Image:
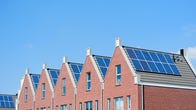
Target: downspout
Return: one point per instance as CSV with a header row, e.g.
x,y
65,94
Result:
x,y
142,92
75,98
102,87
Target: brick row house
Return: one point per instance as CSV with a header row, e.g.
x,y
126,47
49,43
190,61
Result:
x,y
132,79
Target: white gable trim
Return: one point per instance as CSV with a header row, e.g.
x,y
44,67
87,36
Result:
x,y
167,85
190,64
70,74
136,76
49,81
21,85
31,84
96,68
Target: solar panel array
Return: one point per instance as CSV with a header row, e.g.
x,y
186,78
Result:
x,y
77,69
35,80
103,63
54,74
150,61
6,101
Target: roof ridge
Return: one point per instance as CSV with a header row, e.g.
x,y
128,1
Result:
x,y
101,56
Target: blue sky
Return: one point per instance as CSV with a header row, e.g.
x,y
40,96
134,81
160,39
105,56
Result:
x,y
36,32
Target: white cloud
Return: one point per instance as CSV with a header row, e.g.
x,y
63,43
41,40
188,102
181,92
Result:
x,y
191,53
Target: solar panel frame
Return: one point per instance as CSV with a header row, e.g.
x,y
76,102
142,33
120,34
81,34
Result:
x,y
151,61
6,101
35,80
54,74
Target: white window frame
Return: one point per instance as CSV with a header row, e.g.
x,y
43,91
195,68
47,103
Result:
x,y
80,105
70,106
64,86
26,94
109,101
128,102
118,81
97,105
43,90
88,104
88,80
65,107
119,99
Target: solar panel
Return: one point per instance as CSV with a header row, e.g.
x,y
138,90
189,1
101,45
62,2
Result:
x,y
6,101
149,61
77,69
54,74
103,63
35,80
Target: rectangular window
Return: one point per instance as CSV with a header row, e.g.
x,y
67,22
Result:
x,y
26,94
57,107
118,74
109,104
63,107
63,86
89,105
48,108
43,108
96,105
43,90
128,102
119,103
80,105
88,80
70,106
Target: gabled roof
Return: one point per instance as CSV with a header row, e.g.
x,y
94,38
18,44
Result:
x,y
54,74
35,80
156,67
7,101
76,69
103,63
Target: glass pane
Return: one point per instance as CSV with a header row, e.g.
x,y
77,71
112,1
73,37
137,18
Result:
x,y
162,58
147,56
154,56
168,69
107,61
175,69
153,66
103,70
169,59
137,65
131,53
100,62
139,54
145,66
75,68
160,67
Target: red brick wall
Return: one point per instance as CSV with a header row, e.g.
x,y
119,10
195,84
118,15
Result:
x,y
95,93
160,98
127,86
22,104
47,101
60,99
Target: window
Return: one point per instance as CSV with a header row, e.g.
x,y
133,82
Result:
x,y
70,106
109,104
48,108
57,107
96,105
43,90
26,94
80,105
89,105
118,74
88,80
63,86
43,108
63,107
128,102
119,103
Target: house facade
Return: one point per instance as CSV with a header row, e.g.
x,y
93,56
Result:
x,y
132,79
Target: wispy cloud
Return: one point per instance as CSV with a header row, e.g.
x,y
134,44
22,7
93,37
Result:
x,y
189,30
191,53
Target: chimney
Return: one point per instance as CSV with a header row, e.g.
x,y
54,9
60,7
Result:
x,y
183,52
64,59
118,42
44,66
27,71
89,51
